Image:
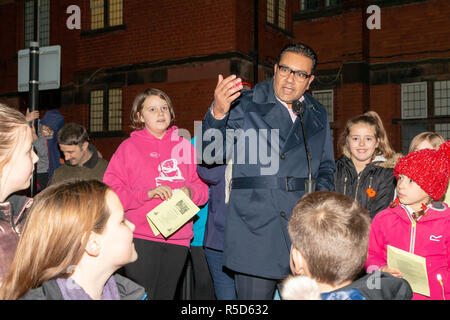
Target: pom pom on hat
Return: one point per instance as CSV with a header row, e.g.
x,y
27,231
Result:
x,y
429,168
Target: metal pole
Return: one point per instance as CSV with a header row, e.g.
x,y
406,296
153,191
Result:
x,y
256,42
33,84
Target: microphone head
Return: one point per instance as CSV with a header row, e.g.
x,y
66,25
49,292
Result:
x,y
297,107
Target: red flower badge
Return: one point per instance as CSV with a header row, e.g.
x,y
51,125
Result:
x,y
370,192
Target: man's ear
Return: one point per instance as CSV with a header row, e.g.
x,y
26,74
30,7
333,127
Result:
x,y
84,146
298,263
310,80
93,245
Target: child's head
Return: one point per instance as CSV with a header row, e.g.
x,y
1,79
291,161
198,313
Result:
x,y
329,234
426,140
17,157
153,110
67,223
429,171
364,137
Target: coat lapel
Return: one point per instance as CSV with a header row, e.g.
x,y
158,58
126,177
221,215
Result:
x,y
311,123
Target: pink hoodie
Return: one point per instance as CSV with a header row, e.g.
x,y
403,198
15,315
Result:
x,y
429,237
141,163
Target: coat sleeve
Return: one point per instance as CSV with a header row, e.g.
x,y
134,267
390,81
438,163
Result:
x,y
212,175
214,130
375,256
117,177
325,178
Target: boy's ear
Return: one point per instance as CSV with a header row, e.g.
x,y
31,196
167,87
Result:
x,y
298,263
93,246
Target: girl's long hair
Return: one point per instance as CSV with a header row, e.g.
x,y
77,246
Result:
x,y
373,119
13,126
55,234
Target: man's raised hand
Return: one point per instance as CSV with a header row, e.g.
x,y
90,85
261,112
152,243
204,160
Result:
x,y
227,90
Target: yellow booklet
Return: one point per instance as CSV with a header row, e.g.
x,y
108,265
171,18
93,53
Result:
x,y
412,267
172,214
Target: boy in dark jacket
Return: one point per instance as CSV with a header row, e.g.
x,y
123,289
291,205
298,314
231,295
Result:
x,y
329,234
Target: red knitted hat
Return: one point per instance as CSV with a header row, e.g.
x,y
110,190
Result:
x,y
429,168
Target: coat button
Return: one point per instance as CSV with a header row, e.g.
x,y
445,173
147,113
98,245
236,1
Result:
x,y
283,214
282,156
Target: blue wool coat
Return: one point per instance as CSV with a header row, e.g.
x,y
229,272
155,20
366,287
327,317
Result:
x,y
256,237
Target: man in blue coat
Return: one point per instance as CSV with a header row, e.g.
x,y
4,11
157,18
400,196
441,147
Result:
x,y
269,165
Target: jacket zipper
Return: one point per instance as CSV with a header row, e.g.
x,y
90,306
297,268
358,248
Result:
x,y
412,241
345,185
357,187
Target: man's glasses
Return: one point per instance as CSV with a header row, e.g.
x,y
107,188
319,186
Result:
x,y
299,75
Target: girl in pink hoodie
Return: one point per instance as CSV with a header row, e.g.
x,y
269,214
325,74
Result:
x,y
416,221
144,171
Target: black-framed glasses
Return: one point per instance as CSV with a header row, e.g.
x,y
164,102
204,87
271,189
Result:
x,y
299,75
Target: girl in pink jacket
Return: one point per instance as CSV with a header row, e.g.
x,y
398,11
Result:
x,y
416,221
144,171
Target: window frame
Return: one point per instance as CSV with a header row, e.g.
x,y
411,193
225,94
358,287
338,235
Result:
x,y
106,113
106,20
44,34
405,85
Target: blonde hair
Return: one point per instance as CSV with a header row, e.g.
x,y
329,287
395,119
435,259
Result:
x,y
331,231
138,105
433,138
373,119
55,234
13,126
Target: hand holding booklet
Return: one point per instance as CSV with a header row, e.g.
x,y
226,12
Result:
x,y
172,214
412,267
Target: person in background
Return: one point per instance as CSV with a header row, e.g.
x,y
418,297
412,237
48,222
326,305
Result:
x,y
75,238
82,160
46,144
17,160
417,222
364,171
429,140
144,171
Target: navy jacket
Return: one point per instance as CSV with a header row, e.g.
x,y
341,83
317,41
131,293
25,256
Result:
x,y
214,176
256,238
55,120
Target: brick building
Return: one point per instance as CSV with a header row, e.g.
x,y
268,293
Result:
x,y
124,46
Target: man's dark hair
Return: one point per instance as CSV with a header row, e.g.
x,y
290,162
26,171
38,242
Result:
x,y
301,49
72,134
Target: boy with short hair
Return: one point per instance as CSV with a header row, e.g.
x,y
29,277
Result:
x,y
329,233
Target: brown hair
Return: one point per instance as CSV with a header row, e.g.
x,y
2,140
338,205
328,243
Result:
x,y
138,104
55,234
72,134
13,127
331,231
433,138
373,119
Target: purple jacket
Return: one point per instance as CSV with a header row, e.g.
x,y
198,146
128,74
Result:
x,y
429,237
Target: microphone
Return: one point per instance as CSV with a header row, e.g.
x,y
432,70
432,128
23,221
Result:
x,y
310,184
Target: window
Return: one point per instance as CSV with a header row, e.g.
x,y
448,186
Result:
x,y
44,23
310,5
442,98
325,97
106,13
415,106
105,110
414,100
443,129
276,13
271,11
